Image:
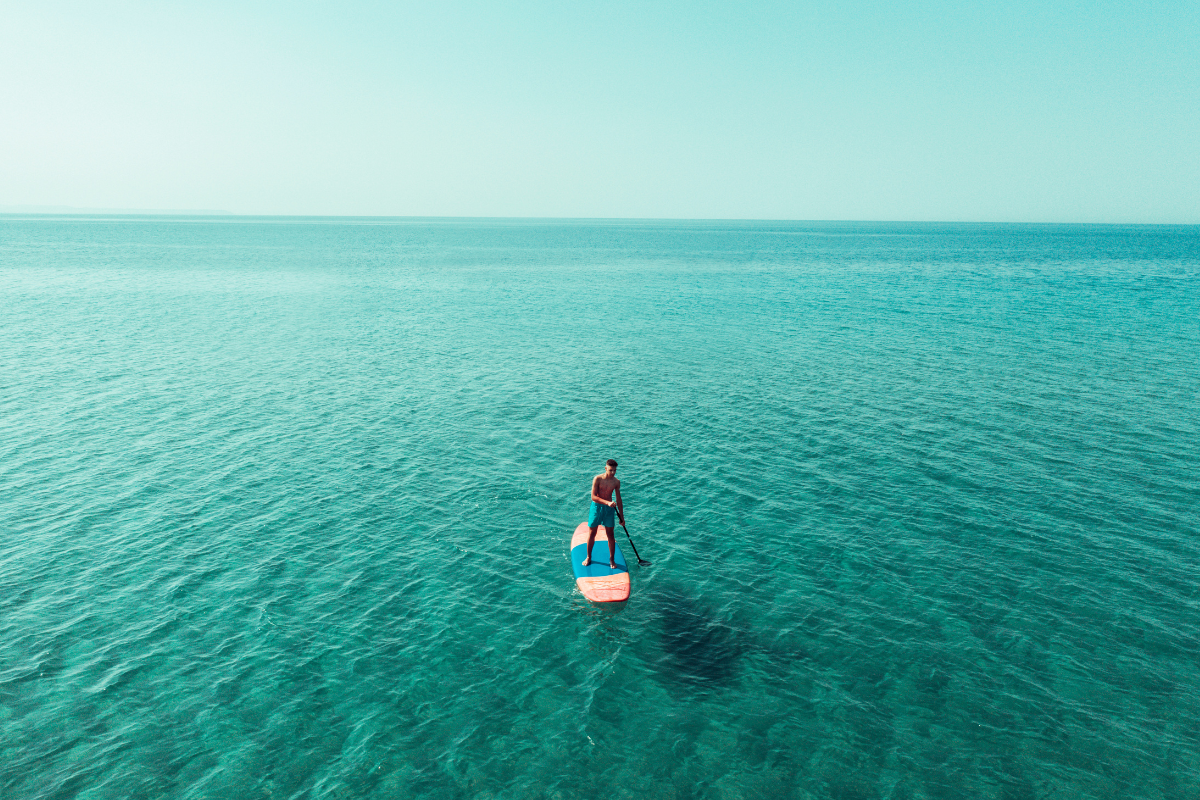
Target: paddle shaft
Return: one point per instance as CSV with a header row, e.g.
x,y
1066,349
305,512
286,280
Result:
x,y
621,517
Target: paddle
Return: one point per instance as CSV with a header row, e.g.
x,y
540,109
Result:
x,y
620,516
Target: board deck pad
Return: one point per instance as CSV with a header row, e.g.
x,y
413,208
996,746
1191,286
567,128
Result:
x,y
597,582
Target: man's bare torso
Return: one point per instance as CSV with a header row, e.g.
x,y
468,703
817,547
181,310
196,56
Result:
x,y
603,486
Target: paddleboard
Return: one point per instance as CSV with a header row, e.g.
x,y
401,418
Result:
x,y
597,582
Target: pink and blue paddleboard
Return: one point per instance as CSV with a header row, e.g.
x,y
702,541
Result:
x,y
597,582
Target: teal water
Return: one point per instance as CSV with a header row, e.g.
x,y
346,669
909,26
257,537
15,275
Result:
x,y
286,504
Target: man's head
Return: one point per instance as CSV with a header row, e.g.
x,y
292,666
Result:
x,y
610,466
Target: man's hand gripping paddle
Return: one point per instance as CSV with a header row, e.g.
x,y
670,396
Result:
x,y
620,516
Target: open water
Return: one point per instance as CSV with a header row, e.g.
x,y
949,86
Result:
x,y
285,507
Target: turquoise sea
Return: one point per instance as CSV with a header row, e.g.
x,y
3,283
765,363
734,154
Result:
x,y
285,507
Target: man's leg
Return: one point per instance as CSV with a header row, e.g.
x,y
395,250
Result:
x,y
591,541
612,549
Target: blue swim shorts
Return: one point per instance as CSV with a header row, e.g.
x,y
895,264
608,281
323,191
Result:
x,y
602,515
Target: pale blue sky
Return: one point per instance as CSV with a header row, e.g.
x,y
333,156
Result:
x,y
1014,111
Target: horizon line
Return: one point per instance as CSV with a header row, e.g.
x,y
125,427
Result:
x,y
71,211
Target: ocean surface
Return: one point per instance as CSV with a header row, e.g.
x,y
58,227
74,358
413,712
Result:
x,y
285,507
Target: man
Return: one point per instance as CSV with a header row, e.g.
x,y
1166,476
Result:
x,y
603,488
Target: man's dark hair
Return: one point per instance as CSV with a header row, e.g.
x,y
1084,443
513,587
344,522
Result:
x,y
611,462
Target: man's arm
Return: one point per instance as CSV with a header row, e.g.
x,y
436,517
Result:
x,y
620,505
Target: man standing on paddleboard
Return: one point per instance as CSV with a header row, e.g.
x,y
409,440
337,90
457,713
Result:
x,y
603,488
